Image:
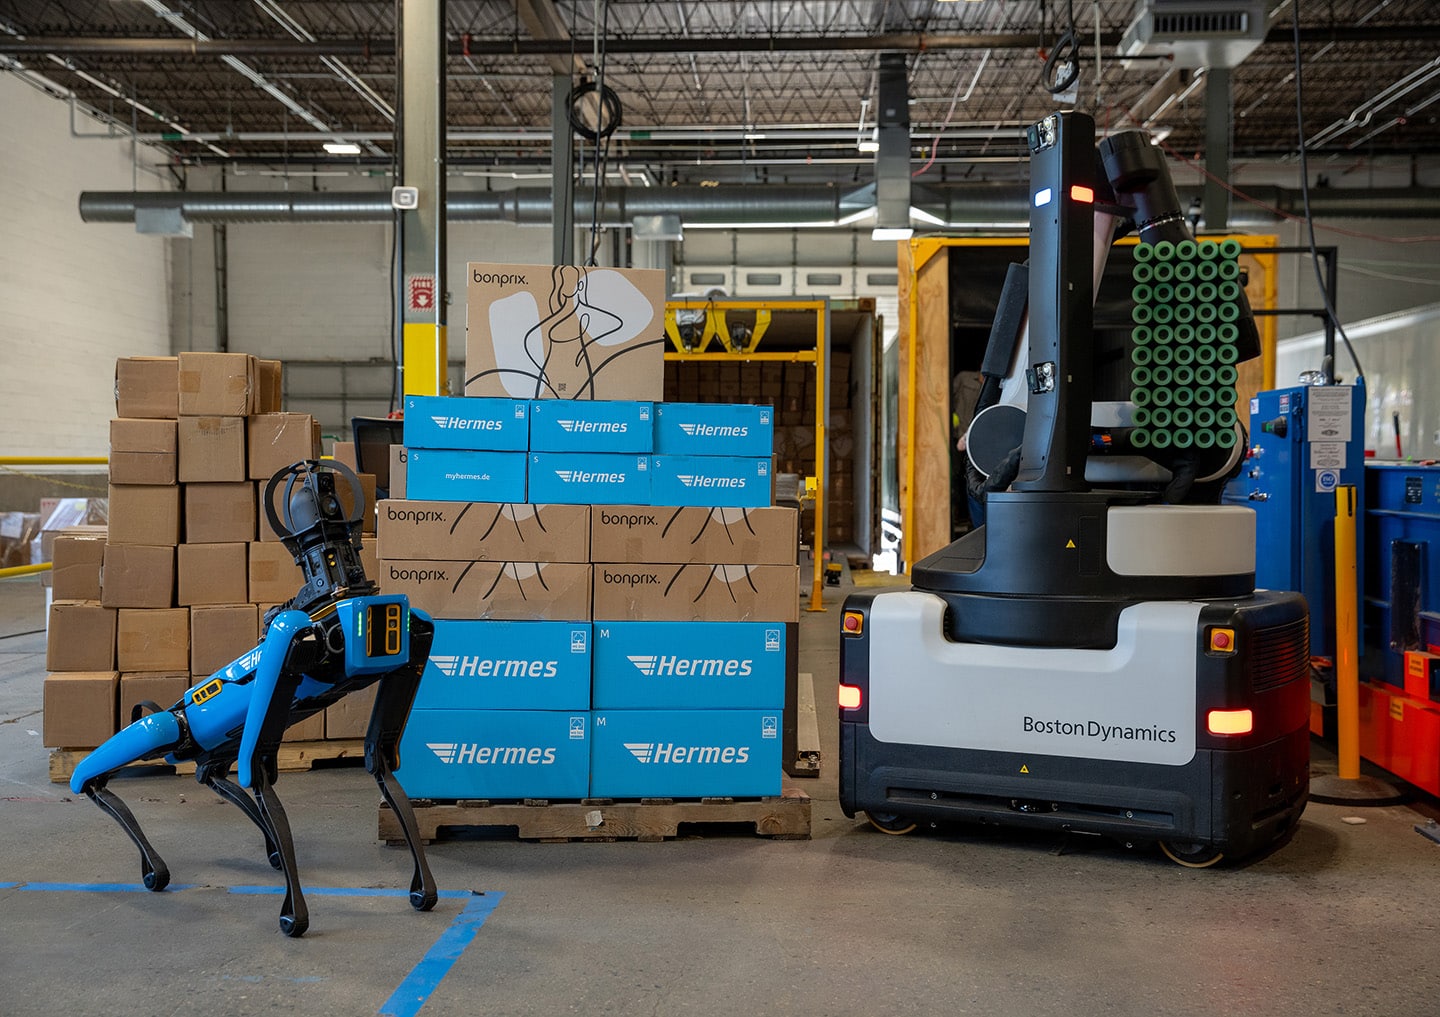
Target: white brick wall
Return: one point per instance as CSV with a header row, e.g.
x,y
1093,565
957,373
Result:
x,y
73,296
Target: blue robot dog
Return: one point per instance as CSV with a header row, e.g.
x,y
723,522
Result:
x,y
336,636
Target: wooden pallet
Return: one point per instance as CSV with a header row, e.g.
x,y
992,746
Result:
x,y
651,819
294,757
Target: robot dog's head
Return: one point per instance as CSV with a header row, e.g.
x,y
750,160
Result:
x,y
317,530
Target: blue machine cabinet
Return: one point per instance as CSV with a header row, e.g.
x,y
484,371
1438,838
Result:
x,y
1304,442
1402,573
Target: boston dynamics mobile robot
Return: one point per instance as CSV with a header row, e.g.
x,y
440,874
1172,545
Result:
x,y
1092,659
336,636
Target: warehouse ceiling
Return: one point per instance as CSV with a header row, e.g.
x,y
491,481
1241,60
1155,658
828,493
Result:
x,y
716,92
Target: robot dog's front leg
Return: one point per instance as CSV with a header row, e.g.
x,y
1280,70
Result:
x,y
148,737
382,752
212,775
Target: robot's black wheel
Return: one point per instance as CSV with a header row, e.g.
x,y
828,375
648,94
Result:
x,y
157,879
1192,856
888,822
422,901
275,860
293,927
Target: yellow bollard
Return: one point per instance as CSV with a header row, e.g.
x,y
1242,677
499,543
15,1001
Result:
x,y
1347,637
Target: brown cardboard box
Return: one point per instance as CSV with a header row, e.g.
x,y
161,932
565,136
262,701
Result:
x,y
219,513
632,592
735,536
219,633
163,688
138,575
152,640
350,717
509,305
311,729
344,451
147,387
278,440
79,709
144,514
272,386
77,557
399,457
212,574
218,385
80,637
142,451
484,531
274,576
505,591
370,557
212,450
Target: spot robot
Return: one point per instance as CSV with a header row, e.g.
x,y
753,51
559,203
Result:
x,y
338,635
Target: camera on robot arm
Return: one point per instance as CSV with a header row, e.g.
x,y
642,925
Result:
x,y
339,634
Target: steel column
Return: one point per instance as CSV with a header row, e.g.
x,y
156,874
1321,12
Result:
x,y
1219,107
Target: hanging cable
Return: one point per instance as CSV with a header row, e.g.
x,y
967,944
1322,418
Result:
x,y
1064,57
607,119
1325,294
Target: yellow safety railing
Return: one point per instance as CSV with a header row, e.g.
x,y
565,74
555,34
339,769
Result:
x,y
26,570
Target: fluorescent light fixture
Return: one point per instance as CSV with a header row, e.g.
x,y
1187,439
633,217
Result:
x,y
891,233
341,147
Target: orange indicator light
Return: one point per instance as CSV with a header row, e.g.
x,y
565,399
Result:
x,y
849,697
1079,192
1230,722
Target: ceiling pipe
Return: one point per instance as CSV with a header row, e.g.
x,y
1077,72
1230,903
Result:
x,y
904,42
962,205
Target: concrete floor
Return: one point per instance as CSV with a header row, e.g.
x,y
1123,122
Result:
x,y
971,920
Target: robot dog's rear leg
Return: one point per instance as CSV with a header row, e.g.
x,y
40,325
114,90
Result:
x,y
152,868
212,775
294,915
382,756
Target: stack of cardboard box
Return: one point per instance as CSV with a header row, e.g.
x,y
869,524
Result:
x,y
177,587
611,632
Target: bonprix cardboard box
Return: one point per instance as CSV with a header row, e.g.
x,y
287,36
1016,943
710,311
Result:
x,y
573,425
75,572
152,640
218,384
714,429
483,531
710,480
212,450
495,754
80,636
138,575
460,475
212,574
685,753
689,665
219,633
564,332
144,514
79,709
163,688
635,592
275,441
399,459
220,513
147,387
507,665
490,425
273,575
589,478
142,451
505,591
681,535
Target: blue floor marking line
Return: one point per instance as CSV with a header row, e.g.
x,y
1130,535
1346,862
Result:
x,y
341,891
8,886
100,887
423,979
